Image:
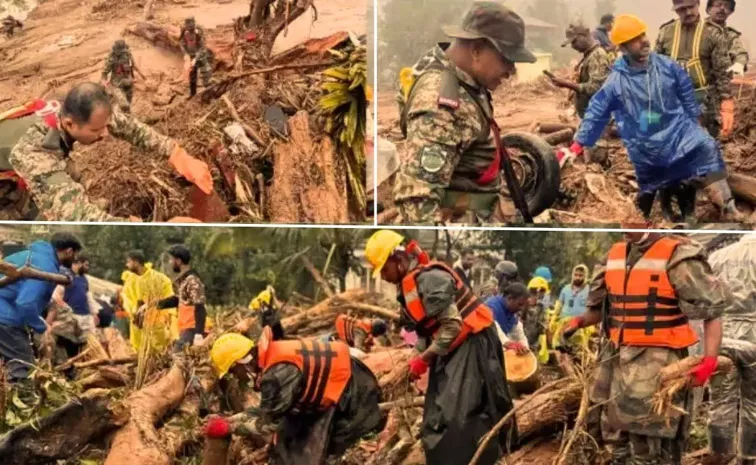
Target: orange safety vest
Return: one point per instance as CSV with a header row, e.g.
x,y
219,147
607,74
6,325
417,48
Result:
x,y
326,366
475,315
346,325
644,308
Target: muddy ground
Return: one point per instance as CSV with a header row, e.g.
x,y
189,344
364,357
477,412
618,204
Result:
x,y
599,192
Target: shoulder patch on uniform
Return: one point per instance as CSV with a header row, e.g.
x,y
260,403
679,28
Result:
x,y
448,102
732,29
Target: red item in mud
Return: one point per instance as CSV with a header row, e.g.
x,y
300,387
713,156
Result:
x,y
251,37
217,427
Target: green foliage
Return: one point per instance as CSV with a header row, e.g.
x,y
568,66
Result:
x,y
560,251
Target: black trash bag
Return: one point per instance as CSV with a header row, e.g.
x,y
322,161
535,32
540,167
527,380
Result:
x,y
467,395
308,438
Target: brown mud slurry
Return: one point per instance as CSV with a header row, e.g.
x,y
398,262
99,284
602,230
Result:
x,y
598,193
65,42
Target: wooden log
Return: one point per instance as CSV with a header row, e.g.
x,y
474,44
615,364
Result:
x,y
63,433
743,187
307,187
106,361
106,378
549,128
117,346
548,411
402,403
316,275
559,137
138,441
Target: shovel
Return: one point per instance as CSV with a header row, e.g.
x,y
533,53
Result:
x,y
208,208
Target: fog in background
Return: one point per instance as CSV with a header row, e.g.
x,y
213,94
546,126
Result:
x,y
408,28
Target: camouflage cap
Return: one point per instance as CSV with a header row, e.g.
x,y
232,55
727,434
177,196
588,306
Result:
x,y
684,3
119,44
501,26
575,30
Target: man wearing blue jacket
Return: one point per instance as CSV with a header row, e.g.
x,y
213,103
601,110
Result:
x,y
652,99
506,309
22,302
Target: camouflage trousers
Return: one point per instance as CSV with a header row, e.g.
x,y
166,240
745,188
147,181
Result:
x,y
205,70
710,117
624,383
123,96
732,414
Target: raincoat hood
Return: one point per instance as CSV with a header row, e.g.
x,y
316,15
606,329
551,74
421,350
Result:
x,y
657,117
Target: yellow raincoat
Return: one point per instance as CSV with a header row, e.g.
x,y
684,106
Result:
x,y
150,287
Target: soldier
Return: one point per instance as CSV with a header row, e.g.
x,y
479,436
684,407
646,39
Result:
x,y
460,348
732,411
119,71
10,24
592,70
701,48
719,11
41,135
196,55
450,166
358,333
652,285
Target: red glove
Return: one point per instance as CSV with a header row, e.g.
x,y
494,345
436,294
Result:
x,y
417,367
565,155
572,326
517,347
703,371
217,427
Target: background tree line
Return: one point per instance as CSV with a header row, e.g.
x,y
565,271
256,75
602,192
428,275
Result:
x,y
237,263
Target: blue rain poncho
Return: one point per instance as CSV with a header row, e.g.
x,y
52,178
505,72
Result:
x,y
657,117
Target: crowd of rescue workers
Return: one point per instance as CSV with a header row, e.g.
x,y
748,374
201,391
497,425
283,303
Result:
x,y
654,299
671,104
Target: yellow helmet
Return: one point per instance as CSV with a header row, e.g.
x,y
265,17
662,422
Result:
x,y
229,349
627,28
264,297
379,248
405,80
538,283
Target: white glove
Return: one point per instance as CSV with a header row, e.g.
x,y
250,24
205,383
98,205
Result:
x,y
565,157
198,339
737,69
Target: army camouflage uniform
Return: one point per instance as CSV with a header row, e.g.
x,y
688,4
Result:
x,y
711,81
738,51
447,148
592,71
627,377
120,68
193,44
41,158
732,413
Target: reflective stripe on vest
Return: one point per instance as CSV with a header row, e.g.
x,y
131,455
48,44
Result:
x,y
475,315
693,65
186,318
345,326
644,308
326,366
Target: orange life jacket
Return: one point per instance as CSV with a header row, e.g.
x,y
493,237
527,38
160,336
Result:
x,y
326,366
475,315
644,308
345,326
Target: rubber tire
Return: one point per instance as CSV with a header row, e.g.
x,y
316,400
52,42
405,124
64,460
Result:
x,y
550,179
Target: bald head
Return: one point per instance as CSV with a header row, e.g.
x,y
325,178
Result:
x,y
86,112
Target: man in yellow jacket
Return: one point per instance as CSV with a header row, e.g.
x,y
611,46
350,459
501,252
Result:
x,y
145,288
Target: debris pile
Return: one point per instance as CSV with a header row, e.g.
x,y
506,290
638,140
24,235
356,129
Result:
x,y
279,152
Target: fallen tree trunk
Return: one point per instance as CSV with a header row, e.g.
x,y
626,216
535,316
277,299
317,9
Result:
x,y
743,187
559,137
549,410
167,37
550,128
138,441
309,186
106,378
64,432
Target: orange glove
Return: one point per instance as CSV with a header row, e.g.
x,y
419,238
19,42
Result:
x,y
194,170
727,111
